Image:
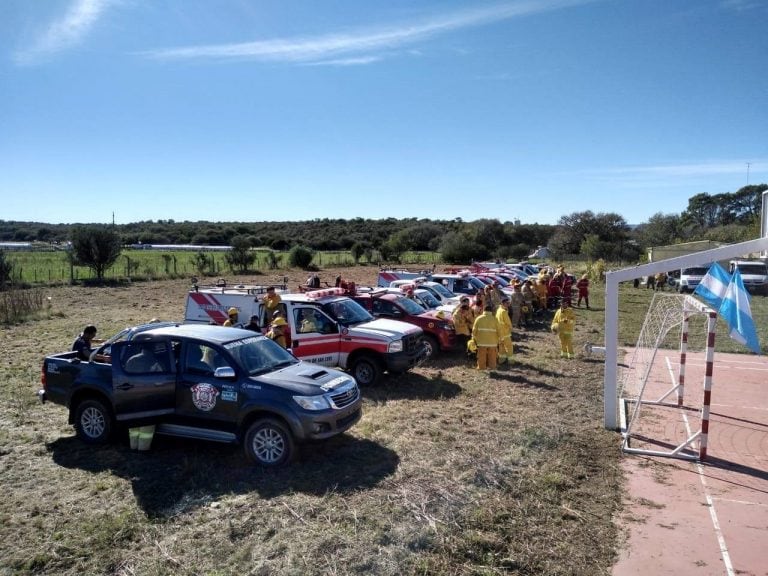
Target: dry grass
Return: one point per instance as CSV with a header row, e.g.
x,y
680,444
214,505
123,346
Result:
x,y
450,471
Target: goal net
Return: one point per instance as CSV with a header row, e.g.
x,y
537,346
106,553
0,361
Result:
x,y
663,410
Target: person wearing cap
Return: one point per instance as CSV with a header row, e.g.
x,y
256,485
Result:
x,y
477,307
563,324
307,323
583,287
486,334
529,301
516,302
271,303
541,291
492,296
253,323
82,344
232,314
462,322
277,331
505,327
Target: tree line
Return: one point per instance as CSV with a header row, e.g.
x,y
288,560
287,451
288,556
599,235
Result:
x,y
726,217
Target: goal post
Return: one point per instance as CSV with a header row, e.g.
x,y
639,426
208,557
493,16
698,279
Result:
x,y
655,418
612,281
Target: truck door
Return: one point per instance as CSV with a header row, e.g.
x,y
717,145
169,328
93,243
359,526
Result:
x,y
143,379
200,393
314,336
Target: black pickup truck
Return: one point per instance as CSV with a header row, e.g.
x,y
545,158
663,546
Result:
x,y
208,382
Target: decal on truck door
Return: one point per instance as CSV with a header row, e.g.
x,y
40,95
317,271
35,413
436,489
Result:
x,y
211,306
204,396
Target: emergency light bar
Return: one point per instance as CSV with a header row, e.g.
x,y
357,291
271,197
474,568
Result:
x,y
315,294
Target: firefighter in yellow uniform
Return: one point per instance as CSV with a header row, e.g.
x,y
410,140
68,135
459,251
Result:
x,y
277,331
232,315
462,322
505,327
486,335
563,324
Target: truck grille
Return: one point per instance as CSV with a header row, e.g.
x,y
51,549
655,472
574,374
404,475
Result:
x,y
346,397
412,344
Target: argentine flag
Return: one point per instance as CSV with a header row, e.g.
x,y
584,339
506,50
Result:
x,y
713,286
736,311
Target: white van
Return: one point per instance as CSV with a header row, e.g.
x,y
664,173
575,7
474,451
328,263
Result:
x,y
754,274
690,278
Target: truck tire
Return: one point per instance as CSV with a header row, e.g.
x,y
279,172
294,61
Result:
x,y
431,347
269,443
93,422
366,370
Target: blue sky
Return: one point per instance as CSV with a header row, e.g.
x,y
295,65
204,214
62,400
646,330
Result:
x,y
268,110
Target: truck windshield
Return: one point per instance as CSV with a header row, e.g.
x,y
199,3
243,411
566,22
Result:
x,y
259,355
411,306
698,271
442,290
476,283
753,269
426,298
347,312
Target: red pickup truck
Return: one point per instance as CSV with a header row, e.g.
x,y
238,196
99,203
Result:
x,y
439,332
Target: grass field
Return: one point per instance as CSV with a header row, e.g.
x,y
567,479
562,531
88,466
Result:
x,y
450,471
54,268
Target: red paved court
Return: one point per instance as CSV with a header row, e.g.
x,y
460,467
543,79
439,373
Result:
x,y
707,518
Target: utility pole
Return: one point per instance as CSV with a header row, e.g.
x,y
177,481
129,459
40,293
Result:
x,y
748,165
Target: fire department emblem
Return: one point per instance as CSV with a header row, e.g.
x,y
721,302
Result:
x,y
204,396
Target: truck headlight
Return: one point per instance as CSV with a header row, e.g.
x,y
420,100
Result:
x,y
396,346
312,402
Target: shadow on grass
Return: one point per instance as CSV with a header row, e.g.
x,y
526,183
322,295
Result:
x,y
177,475
521,379
412,386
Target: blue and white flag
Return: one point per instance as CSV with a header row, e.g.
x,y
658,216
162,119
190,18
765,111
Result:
x,y
736,311
712,287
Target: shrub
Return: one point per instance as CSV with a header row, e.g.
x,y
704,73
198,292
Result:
x,y
300,257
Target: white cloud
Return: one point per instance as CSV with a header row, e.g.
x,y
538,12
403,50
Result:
x,y
62,34
353,46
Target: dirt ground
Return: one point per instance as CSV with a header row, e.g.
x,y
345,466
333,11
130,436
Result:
x,y
450,471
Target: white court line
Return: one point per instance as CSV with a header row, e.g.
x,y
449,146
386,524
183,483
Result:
x,y
745,502
739,407
710,501
718,365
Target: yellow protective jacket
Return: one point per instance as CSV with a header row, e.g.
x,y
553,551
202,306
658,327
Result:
x,y
505,324
463,320
486,331
564,321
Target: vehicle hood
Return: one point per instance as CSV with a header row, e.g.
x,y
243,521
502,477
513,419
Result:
x,y
384,329
434,316
305,378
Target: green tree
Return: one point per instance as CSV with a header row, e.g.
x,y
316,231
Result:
x,y
240,257
300,257
357,250
202,263
573,229
6,270
97,247
661,229
456,248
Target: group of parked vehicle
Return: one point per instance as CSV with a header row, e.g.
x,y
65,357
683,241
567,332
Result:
x,y
232,385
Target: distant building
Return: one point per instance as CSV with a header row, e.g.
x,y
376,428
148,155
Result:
x,y
540,253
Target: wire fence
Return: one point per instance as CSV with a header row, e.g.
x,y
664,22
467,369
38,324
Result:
x,y
34,267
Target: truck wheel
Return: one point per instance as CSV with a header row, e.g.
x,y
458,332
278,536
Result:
x,y
269,443
366,371
431,347
93,422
